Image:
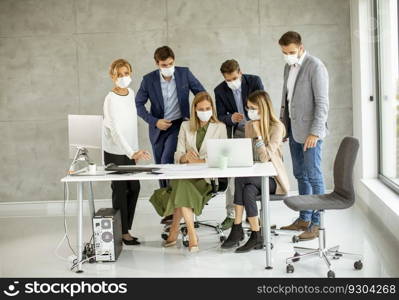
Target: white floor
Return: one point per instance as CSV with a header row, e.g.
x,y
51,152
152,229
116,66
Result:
x,y
28,239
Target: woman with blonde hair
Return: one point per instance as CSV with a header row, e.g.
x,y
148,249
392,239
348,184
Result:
x,y
186,197
267,133
120,143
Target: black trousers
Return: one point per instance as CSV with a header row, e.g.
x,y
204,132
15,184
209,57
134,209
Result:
x,y
124,193
246,191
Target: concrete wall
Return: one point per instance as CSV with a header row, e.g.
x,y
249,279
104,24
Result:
x,y
54,56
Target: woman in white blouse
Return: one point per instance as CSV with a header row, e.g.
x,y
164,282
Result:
x,y
120,143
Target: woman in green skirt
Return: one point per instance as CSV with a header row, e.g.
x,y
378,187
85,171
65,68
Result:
x,y
186,197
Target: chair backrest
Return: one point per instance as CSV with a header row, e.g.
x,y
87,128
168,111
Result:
x,y
343,168
221,186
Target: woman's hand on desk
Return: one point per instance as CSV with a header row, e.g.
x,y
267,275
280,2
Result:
x,y
141,155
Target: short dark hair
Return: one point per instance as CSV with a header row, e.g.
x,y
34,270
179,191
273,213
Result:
x,y
163,53
290,37
229,66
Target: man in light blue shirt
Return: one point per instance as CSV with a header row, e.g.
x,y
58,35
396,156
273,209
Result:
x,y
169,94
168,89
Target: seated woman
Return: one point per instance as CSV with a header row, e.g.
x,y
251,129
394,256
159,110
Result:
x,y
187,196
267,133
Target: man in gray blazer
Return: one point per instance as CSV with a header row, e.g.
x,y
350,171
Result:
x,y
304,111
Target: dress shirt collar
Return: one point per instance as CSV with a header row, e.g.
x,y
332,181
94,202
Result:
x,y
237,91
163,79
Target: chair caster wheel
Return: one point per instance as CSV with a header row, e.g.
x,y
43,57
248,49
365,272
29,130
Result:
x,y
290,268
331,274
358,265
164,236
271,246
296,259
222,238
295,239
196,225
184,230
185,243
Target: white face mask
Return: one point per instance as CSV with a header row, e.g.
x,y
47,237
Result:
x,y
167,72
253,114
204,116
235,84
291,59
123,82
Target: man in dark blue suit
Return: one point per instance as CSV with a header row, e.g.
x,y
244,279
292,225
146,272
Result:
x,y
231,100
168,90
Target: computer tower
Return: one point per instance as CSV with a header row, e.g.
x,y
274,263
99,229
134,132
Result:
x,y
107,230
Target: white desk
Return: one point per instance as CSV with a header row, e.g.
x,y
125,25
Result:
x,y
263,170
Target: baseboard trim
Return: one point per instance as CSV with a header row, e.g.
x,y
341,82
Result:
x,y
52,208
56,207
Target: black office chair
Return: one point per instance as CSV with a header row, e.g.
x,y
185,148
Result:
x,y
342,197
219,186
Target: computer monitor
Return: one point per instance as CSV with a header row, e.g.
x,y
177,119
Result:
x,y
84,131
237,151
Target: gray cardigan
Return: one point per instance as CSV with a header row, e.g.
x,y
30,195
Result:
x,y
309,106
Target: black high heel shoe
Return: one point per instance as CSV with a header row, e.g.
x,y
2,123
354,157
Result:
x,y
133,242
235,237
255,241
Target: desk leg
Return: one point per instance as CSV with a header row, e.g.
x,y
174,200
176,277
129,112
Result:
x,y
266,221
91,200
80,227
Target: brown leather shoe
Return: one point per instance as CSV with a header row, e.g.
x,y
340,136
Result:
x,y
311,233
298,225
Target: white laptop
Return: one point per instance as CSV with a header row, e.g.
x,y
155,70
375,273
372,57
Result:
x,y
237,151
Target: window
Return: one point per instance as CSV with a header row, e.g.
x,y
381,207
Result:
x,y
386,14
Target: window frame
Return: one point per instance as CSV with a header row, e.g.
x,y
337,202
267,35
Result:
x,y
377,64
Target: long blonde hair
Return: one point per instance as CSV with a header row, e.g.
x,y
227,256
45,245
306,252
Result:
x,y
195,122
266,112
